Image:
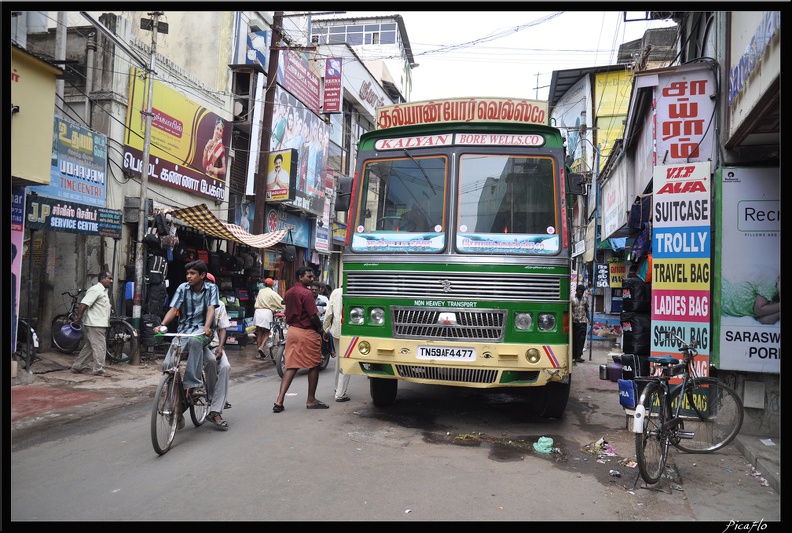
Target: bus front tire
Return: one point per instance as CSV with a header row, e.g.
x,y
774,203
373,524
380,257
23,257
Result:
x,y
383,391
552,399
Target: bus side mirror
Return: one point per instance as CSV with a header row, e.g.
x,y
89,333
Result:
x,y
343,193
577,184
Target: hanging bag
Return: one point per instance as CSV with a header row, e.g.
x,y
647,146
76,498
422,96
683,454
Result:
x,y
640,211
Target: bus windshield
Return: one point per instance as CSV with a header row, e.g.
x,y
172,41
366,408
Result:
x,y
401,197
507,205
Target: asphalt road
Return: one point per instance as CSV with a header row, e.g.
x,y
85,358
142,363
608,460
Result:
x,y
439,454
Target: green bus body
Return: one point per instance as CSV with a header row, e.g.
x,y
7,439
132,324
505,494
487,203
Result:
x,y
456,268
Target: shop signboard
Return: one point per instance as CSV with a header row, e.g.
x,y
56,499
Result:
x,y
332,85
681,259
52,214
618,269
17,234
602,275
747,335
79,165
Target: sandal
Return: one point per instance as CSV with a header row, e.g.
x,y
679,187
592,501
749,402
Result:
x,y
277,408
213,418
227,406
318,405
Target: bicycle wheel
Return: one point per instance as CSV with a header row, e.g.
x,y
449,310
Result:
x,y
57,323
122,341
325,356
199,407
164,414
712,416
651,445
278,352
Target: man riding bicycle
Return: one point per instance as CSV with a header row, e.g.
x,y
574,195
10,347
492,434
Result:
x,y
195,302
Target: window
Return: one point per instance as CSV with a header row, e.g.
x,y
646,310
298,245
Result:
x,y
388,37
503,194
403,195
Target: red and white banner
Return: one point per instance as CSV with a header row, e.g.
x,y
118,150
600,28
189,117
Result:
x,y
332,85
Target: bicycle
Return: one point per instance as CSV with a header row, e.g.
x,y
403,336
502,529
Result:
x,y
276,345
171,400
697,415
121,337
27,339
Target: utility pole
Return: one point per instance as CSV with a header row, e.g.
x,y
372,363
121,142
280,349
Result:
x,y
260,183
137,301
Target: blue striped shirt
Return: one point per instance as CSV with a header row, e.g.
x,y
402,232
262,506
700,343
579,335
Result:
x,y
192,306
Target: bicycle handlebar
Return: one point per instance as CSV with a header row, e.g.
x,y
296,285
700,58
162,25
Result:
x,y
162,331
686,347
75,295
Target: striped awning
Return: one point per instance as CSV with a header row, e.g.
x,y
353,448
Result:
x,y
200,218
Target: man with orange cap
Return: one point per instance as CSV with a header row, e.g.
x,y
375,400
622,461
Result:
x,y
267,302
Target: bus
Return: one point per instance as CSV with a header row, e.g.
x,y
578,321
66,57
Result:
x,y
456,264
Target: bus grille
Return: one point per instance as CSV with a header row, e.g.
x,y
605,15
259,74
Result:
x,y
422,323
505,287
461,375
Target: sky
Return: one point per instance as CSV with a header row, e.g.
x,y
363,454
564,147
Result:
x,y
510,53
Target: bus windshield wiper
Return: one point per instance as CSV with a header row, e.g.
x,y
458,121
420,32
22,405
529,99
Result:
x,y
426,176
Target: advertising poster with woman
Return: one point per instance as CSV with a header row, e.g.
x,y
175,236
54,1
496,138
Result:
x,y
189,143
748,284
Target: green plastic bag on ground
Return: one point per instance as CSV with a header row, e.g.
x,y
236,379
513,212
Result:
x,y
543,445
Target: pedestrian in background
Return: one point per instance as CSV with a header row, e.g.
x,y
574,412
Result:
x,y
304,341
95,306
580,312
332,324
216,366
267,303
318,289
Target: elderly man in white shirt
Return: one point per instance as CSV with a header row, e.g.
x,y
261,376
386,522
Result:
x,y
332,324
216,366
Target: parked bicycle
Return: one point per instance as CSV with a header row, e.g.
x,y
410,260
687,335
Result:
x,y
26,339
276,345
696,415
171,400
121,337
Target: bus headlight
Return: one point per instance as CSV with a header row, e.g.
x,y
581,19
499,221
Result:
x,y
533,356
523,321
546,322
364,347
377,316
356,316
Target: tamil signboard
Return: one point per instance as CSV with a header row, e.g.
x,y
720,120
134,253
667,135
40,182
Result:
x,y
332,85
52,214
79,165
188,144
